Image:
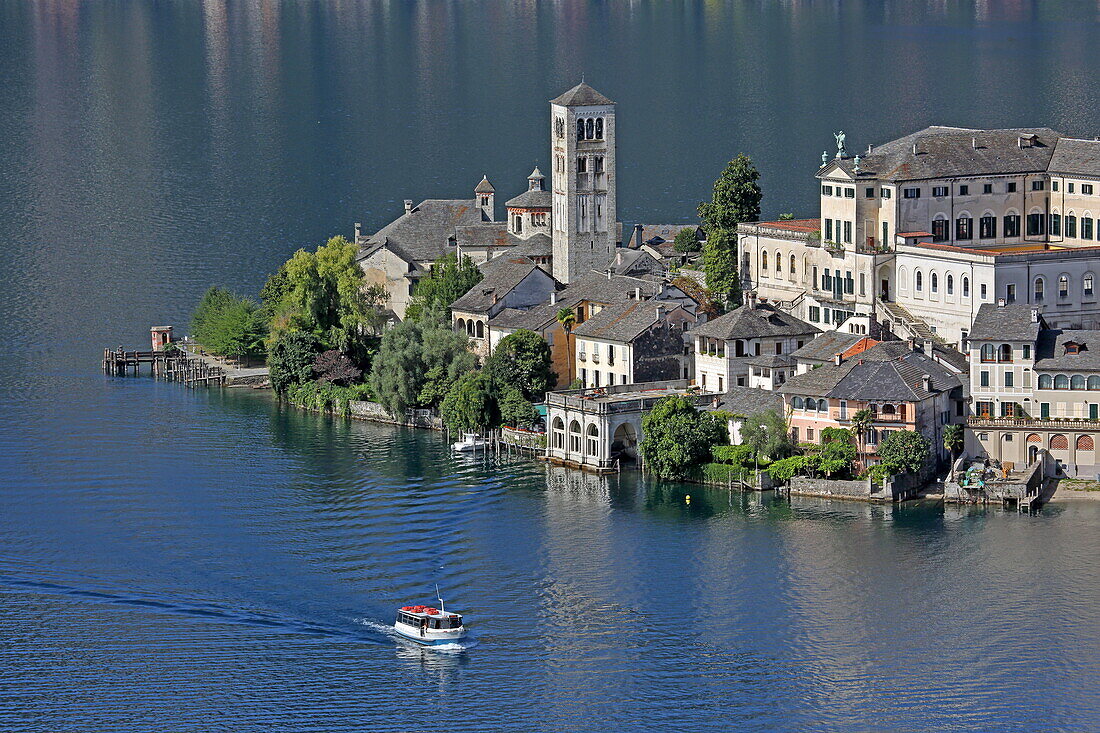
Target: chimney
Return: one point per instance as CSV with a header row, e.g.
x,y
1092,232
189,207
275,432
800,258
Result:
x,y
914,148
926,382
637,293
660,311
974,142
750,298
870,149
838,358
1000,302
1034,315
358,226
638,235
408,206
608,273
912,344
553,297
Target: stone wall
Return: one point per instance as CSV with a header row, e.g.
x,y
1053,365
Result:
x,y
363,410
860,489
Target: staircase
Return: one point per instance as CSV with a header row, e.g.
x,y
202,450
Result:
x,y
915,327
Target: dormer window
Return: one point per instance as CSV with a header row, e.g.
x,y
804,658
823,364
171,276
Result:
x,y
1072,347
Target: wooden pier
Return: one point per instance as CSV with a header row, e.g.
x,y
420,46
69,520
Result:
x,y
173,366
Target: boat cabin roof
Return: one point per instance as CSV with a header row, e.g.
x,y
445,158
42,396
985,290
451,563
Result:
x,y
427,612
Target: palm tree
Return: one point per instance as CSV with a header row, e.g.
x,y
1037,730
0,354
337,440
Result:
x,y
861,423
568,318
952,440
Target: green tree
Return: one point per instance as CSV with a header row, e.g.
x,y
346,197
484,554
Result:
x,y
678,437
522,360
448,281
861,423
323,293
720,265
904,451
290,360
837,452
228,325
417,362
515,409
686,241
736,197
470,405
953,440
767,433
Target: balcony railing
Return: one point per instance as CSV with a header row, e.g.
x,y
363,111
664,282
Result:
x,y
582,356
876,417
1064,423
595,358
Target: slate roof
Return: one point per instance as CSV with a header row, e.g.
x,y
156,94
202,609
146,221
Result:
x,y
634,261
537,245
422,235
1074,156
1010,322
889,371
761,321
580,96
950,151
534,319
598,287
827,345
486,234
654,234
1050,353
623,322
484,186
532,199
744,401
771,361
501,276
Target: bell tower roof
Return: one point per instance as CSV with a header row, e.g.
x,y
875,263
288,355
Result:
x,y
484,186
581,95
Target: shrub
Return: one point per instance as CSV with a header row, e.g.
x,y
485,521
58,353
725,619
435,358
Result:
x,y
325,396
735,455
786,469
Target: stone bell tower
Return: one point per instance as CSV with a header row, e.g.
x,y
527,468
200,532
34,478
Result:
x,y
583,217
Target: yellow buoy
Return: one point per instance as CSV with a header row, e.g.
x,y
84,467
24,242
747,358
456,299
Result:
x,y
687,499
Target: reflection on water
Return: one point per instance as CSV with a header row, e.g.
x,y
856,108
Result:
x,y
173,557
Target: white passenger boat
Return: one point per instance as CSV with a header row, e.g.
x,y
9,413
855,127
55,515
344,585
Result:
x,y
428,625
471,442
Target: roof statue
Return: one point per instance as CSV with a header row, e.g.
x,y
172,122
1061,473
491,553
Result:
x,y
840,137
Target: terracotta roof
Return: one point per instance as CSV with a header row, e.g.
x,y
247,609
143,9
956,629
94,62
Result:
x,y
794,225
914,234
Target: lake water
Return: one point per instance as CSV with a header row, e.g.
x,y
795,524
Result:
x,y
205,560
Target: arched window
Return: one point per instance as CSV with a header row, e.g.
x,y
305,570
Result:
x,y
1086,285
460,325
935,282
889,410
1061,381
1063,286
580,129
966,287
987,352
1059,442
480,329
792,267
599,128
1071,226
1085,442
903,278
1040,289
920,281
1046,381
590,129
558,428
1086,226
811,404
1094,382
798,403
778,262
592,444
764,260
575,437
1034,438
1077,382
1004,352
950,284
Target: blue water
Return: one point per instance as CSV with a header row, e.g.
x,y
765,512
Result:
x,y
207,560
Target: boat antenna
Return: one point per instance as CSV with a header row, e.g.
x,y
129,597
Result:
x,y
439,597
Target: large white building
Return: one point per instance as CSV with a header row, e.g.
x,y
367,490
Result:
x,y
918,233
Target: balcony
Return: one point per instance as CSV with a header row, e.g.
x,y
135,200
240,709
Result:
x,y
1054,423
582,356
595,357
876,417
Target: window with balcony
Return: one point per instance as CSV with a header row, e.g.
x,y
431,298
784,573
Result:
x,y
988,353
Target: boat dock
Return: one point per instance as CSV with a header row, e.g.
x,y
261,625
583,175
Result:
x,y
173,366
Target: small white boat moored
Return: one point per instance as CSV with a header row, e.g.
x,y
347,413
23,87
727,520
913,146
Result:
x,y
428,625
471,442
